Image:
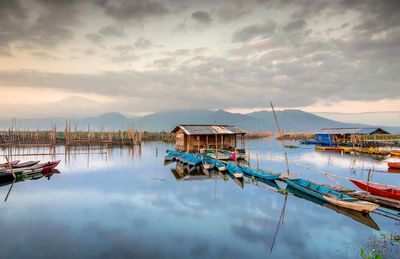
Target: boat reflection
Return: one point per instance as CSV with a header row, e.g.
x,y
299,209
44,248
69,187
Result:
x,y
363,218
184,172
8,179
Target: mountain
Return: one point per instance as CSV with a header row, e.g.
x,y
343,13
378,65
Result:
x,y
289,120
388,118
296,120
165,121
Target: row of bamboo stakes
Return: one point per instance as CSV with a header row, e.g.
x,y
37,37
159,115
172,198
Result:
x,y
68,137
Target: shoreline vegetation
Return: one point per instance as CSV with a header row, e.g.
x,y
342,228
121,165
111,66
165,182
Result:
x,y
130,136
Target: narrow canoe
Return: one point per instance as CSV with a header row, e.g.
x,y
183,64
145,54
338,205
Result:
x,y
378,189
38,168
208,163
259,174
26,164
332,196
219,164
395,165
12,163
234,170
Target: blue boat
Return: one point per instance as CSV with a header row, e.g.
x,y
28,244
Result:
x,y
171,156
326,194
208,163
234,170
308,142
259,174
190,159
218,164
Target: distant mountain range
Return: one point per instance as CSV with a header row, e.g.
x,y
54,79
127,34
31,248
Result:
x,y
289,120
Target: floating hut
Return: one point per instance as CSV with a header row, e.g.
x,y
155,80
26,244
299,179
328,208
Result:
x,y
191,137
331,136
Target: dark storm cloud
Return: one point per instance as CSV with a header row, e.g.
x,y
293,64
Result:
x,y
249,32
136,10
202,17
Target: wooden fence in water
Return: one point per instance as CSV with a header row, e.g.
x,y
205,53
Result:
x,y
68,137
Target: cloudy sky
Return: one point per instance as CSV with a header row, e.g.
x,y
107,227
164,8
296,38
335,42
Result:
x,y
80,58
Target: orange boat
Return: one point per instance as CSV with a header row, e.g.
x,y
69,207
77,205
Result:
x,y
395,165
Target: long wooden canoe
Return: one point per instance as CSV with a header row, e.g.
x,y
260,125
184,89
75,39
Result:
x,y
332,196
7,165
26,164
378,189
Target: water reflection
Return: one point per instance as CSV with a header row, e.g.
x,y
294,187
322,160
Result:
x,y
8,179
124,203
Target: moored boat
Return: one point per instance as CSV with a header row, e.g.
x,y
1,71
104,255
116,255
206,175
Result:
x,y
7,164
336,149
395,153
234,170
208,163
26,164
378,189
259,174
332,196
395,165
38,168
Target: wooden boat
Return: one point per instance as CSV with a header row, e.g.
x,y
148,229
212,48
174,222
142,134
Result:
x,y
234,170
332,196
12,163
26,164
219,164
335,149
259,174
378,189
360,217
395,153
38,168
208,163
372,151
395,165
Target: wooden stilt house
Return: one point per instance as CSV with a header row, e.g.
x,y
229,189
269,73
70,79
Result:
x,y
193,138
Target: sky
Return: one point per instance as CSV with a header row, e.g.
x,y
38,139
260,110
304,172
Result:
x,y
79,58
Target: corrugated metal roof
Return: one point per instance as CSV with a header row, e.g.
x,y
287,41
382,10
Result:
x,y
208,129
349,131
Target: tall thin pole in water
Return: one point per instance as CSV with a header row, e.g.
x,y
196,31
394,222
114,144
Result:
x,y
281,138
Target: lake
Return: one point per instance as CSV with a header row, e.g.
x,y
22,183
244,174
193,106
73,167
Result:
x,y
124,203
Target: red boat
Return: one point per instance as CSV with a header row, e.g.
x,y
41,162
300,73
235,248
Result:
x,y
378,189
395,165
46,167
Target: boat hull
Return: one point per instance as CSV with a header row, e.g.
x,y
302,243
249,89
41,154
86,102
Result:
x,y
326,194
394,165
378,189
361,206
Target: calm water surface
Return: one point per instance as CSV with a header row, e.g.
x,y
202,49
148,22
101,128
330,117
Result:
x,y
126,204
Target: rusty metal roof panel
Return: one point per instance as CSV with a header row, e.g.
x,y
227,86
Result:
x,y
209,129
